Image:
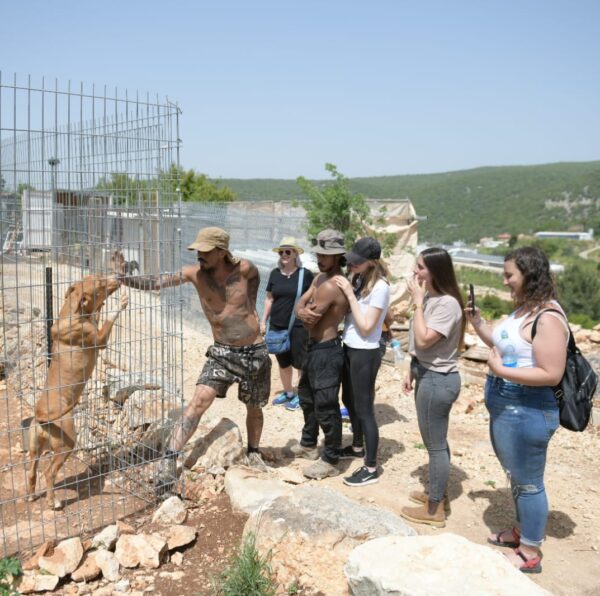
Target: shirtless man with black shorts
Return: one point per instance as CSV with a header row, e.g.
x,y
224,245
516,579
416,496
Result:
x,y
227,289
321,309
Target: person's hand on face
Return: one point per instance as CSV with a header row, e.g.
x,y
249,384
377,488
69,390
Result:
x,y
417,290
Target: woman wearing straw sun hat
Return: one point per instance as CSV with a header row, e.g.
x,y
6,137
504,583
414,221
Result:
x,y
287,282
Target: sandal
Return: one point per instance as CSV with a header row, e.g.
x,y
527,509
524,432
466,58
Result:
x,y
514,543
533,565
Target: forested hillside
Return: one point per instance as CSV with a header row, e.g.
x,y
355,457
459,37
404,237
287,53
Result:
x,y
469,204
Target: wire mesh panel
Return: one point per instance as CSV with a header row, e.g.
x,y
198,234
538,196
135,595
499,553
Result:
x,y
90,373
255,229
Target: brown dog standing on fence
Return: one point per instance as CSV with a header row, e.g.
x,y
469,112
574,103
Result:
x,y
76,340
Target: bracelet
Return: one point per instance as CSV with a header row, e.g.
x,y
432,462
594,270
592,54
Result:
x,y
416,306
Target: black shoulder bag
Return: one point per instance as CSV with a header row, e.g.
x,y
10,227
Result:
x,y
575,392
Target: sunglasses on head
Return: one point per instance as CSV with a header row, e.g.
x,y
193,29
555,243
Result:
x,y
316,242
286,251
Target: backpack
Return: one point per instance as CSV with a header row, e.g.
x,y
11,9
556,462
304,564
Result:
x,y
575,392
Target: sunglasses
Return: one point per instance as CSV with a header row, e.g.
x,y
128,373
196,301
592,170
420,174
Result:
x,y
285,252
316,242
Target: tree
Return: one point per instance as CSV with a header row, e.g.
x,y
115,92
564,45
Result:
x,y
579,289
333,205
198,187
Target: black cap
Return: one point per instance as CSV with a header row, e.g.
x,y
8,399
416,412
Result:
x,y
363,250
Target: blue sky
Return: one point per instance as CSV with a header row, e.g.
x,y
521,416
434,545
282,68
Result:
x,y
278,88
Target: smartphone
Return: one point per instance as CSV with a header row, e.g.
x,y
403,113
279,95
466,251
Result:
x,y
472,298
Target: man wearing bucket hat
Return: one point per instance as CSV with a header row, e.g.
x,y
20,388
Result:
x,y
321,309
287,282
227,288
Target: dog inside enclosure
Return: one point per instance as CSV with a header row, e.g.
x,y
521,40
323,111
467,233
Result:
x,y
77,337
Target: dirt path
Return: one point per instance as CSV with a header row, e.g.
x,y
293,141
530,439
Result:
x,y
478,489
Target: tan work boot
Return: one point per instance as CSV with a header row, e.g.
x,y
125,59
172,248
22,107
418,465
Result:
x,y
419,496
320,469
429,513
304,452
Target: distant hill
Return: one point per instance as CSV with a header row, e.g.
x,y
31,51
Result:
x,y
469,204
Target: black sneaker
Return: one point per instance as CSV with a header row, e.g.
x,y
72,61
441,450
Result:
x,y
348,452
362,477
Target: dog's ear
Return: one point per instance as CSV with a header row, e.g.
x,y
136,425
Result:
x,y
70,289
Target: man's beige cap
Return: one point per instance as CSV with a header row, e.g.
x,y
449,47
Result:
x,y
209,238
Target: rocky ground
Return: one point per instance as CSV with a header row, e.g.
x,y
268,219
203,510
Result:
x,y
478,488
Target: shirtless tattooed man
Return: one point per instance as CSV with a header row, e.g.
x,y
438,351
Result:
x,y
227,289
321,309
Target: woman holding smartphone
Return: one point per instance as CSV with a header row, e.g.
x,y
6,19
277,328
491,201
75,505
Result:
x,y
435,335
519,396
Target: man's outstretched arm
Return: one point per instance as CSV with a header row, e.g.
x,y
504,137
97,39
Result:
x,y
147,282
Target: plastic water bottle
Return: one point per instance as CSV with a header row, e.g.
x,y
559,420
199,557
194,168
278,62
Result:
x,y
398,353
509,356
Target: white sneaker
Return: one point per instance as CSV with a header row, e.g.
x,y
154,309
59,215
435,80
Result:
x,y
256,461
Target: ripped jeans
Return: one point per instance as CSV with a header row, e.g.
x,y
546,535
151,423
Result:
x,y
522,422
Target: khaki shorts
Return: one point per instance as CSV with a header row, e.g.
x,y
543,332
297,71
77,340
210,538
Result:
x,y
249,366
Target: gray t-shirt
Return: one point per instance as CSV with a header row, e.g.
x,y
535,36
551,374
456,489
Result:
x,y
444,315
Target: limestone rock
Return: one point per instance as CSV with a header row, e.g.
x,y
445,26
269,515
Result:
x,y
311,532
122,586
420,566
141,549
172,511
42,551
32,581
180,536
222,447
107,538
65,559
109,564
177,558
291,475
88,570
249,489
124,528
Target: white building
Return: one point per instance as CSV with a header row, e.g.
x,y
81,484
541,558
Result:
x,y
589,235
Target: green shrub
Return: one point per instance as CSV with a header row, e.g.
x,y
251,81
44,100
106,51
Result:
x,y
249,573
583,320
10,568
579,291
493,307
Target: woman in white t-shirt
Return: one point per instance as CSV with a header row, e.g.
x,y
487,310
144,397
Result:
x,y
369,299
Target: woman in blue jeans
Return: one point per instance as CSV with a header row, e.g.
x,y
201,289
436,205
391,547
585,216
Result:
x,y
436,333
519,396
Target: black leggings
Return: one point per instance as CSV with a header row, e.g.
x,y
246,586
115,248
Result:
x,y
358,394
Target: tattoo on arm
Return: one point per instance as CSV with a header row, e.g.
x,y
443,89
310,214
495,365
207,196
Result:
x,y
189,423
139,282
253,283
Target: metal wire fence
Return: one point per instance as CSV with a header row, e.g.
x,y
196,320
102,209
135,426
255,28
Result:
x,y
83,173
255,229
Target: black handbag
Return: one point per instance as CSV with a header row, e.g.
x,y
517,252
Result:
x,y
575,392
279,341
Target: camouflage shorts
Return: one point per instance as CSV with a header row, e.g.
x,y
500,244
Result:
x,y
249,366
